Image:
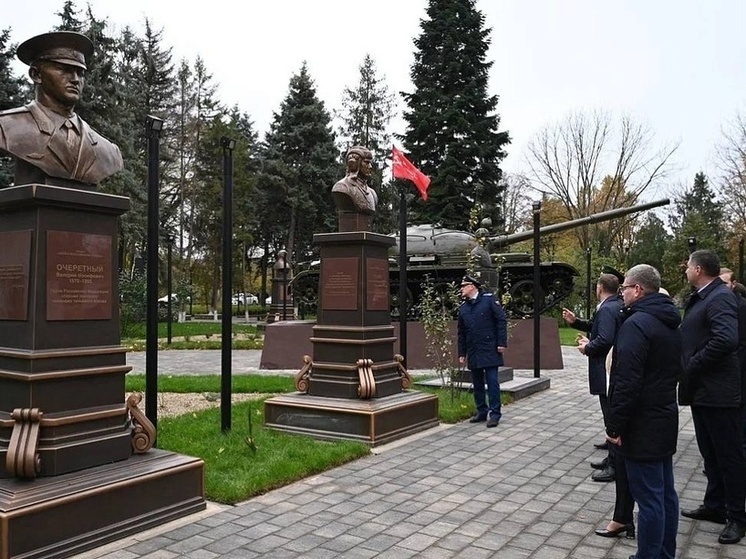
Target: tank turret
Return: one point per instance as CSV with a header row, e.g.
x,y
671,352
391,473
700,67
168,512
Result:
x,y
443,255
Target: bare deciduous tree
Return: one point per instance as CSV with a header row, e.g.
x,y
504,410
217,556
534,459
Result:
x,y
732,162
591,165
515,203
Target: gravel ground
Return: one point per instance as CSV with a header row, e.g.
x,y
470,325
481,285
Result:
x,y
171,404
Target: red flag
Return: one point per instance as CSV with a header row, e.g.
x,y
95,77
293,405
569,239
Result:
x,y
404,169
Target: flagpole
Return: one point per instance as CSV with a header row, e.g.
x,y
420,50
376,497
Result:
x,y
403,273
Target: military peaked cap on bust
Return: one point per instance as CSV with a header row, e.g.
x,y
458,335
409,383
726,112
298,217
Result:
x,y
472,280
609,270
65,47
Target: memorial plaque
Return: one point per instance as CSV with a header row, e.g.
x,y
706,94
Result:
x,y
339,281
79,276
15,261
377,297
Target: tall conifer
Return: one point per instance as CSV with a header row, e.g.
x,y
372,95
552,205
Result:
x,y
452,124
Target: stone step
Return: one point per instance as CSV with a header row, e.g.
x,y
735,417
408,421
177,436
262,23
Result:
x,y
463,378
517,387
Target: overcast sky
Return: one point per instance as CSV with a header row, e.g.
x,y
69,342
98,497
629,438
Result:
x,y
675,65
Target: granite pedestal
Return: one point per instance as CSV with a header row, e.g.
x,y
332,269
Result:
x,y
66,436
353,387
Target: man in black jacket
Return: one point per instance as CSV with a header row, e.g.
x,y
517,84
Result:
x,y
711,384
643,420
739,290
602,329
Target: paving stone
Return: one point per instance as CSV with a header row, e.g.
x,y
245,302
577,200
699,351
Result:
x,y
521,491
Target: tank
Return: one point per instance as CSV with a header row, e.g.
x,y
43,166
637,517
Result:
x,y
443,255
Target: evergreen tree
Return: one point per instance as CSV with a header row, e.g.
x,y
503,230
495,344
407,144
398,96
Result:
x,y
452,127
698,214
202,96
367,110
650,243
12,94
69,18
157,87
208,209
302,160
185,123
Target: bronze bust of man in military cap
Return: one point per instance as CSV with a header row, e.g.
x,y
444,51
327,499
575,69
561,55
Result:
x,y
49,142
354,198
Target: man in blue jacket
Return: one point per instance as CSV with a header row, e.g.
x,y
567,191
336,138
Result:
x,y
602,329
482,337
643,420
711,385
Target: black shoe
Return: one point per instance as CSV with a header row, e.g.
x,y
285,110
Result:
x,y
605,475
628,530
602,465
602,446
477,418
493,422
703,513
733,532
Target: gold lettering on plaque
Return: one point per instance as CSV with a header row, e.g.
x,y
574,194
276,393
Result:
x,y
15,262
339,284
79,276
377,296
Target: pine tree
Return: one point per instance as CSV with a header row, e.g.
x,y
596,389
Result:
x,y
208,201
367,110
69,18
452,127
651,241
12,94
698,214
301,159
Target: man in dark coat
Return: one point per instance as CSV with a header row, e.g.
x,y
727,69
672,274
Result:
x,y
711,385
482,337
739,290
643,418
602,328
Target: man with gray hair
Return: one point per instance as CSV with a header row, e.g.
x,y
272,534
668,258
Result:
x,y
643,419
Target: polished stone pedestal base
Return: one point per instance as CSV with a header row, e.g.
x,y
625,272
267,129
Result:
x,y
374,422
60,516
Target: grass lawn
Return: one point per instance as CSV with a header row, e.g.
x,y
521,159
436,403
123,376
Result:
x,y
236,470
233,471
196,335
567,335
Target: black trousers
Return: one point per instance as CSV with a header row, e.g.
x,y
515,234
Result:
x,y
624,504
604,401
719,434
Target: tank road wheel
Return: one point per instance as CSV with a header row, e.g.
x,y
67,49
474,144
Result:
x,y
522,297
394,290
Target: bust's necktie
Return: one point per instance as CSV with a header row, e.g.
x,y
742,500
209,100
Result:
x,y
72,135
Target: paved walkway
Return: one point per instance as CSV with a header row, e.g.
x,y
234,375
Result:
x,y
522,490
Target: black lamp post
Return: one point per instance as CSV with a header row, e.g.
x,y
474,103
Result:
x,y
169,287
740,260
228,146
154,127
691,244
284,256
588,282
537,288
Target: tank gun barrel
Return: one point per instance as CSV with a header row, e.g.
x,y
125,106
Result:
x,y
506,240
